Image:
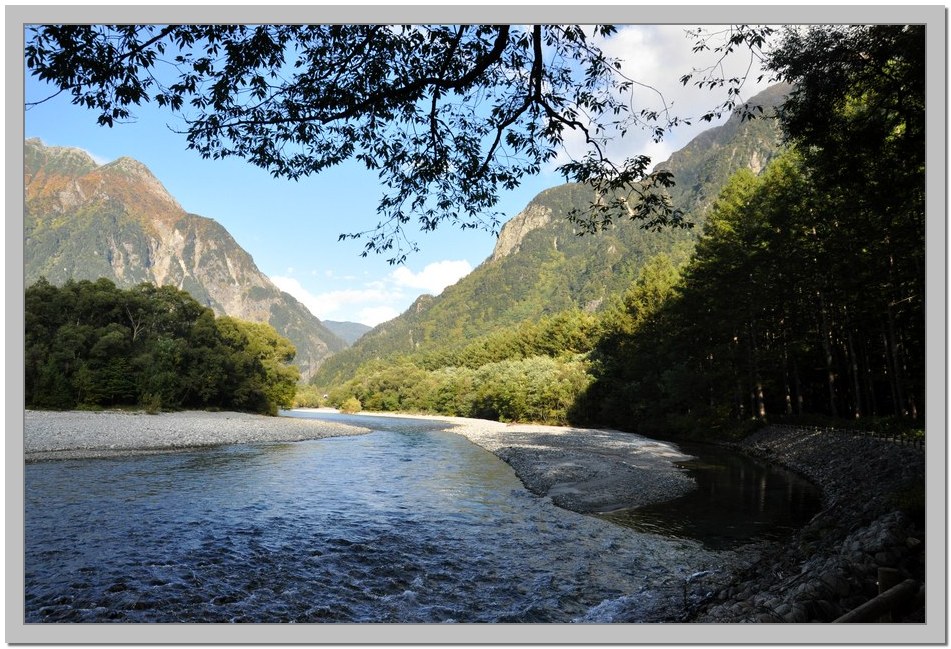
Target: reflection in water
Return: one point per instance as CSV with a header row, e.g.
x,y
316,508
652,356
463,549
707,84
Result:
x,y
736,500
406,524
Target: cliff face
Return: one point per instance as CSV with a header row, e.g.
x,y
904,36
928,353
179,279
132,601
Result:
x,y
533,217
85,221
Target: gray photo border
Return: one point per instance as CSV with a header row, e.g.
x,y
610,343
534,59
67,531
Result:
x,y
933,632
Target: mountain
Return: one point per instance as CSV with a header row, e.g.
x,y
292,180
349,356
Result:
x,y
541,266
85,221
350,332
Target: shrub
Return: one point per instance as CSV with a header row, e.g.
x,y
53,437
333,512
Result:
x,y
152,403
351,405
308,397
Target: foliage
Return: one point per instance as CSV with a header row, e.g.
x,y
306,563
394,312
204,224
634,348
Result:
x,y
446,115
307,396
781,313
533,372
537,389
91,344
803,297
351,406
551,268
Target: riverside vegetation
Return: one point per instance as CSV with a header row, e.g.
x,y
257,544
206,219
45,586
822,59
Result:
x,y
92,345
800,297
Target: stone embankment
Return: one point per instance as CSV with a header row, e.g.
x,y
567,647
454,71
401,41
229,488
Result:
x,y
871,526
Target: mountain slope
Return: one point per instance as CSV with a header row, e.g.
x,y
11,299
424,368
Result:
x,y
86,221
350,332
540,265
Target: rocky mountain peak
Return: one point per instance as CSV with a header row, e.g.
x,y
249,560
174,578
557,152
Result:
x,y
533,217
142,176
67,161
86,221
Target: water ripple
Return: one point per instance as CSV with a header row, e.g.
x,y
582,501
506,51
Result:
x,y
333,530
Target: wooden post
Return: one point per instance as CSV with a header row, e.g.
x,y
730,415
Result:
x,y
888,578
887,601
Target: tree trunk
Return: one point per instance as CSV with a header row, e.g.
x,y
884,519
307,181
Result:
x,y
854,364
798,385
826,335
872,399
893,355
757,403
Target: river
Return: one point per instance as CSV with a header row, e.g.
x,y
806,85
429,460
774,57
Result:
x,y
406,524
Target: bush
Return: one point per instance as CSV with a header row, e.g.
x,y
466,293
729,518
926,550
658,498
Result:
x,y
152,403
351,405
308,397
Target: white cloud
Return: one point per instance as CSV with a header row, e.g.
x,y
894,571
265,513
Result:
x,y
434,277
655,57
378,300
339,304
375,315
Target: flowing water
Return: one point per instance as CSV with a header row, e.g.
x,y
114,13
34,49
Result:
x,y
406,524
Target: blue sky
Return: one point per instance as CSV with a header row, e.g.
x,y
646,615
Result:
x,y
291,228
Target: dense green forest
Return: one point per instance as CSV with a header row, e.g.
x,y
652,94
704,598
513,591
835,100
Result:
x,y
534,372
91,344
803,295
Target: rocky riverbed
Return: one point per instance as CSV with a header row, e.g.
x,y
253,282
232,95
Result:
x,y
583,469
52,435
872,520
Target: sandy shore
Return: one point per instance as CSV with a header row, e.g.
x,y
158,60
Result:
x,y
584,470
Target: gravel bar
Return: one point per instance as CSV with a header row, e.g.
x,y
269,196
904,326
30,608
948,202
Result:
x,y
52,435
584,470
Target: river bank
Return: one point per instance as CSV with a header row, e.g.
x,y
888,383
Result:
x,y
53,435
872,520
584,470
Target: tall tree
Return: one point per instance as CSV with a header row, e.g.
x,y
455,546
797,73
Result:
x,y
858,116
92,344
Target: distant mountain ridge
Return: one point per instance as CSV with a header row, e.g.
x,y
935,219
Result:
x,y
540,266
85,221
349,331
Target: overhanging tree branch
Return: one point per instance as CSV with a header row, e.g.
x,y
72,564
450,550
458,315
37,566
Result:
x,y
445,115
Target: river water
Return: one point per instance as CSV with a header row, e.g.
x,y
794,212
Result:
x,y
406,524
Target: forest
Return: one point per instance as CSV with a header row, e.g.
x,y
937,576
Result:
x,y
92,345
803,297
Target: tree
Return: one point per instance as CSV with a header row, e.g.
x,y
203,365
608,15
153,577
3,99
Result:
x,y
858,116
261,380
92,344
444,114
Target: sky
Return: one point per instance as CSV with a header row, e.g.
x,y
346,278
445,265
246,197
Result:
x,y
291,228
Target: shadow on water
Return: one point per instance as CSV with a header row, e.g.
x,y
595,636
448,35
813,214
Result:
x,y
737,501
